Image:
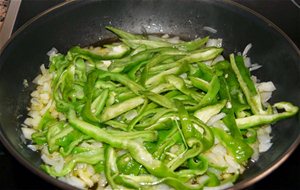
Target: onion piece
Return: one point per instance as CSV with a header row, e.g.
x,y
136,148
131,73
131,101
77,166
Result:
x,y
210,29
246,50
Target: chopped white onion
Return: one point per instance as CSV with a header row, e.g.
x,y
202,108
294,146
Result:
x,y
214,42
246,50
217,59
107,63
43,69
254,67
247,62
215,118
265,96
165,36
130,115
52,52
266,87
27,132
54,159
174,40
264,138
228,105
183,75
25,83
202,179
210,29
33,147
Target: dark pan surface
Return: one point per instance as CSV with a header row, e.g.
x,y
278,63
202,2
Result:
x,y
82,23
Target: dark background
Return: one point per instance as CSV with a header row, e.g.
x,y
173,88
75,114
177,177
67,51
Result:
x,y
283,13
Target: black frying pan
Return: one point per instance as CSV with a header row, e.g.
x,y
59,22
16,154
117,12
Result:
x,y
82,23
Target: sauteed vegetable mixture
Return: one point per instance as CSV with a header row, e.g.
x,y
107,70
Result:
x,y
150,112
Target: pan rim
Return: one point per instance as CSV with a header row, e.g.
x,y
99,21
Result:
x,y
239,185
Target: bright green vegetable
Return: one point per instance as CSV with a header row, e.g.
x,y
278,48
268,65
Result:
x,y
111,168
117,109
258,120
239,149
246,84
146,111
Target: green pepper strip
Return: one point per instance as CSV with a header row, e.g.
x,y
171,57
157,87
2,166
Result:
x,y
112,51
232,92
80,69
208,136
192,45
213,180
137,89
70,141
135,69
127,63
99,103
46,118
196,164
251,135
247,85
142,135
123,34
141,182
205,72
58,87
177,67
159,113
240,150
198,55
186,46
137,151
159,99
135,120
86,112
211,95
127,165
165,65
178,83
94,56
165,122
169,140
125,96
214,87
150,44
156,60
120,108
116,124
54,133
39,137
229,121
175,123
190,173
134,87
106,84
164,87
196,149
258,120
186,124
110,169
158,78
199,83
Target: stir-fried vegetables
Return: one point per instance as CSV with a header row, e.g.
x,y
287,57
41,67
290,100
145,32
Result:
x,y
151,104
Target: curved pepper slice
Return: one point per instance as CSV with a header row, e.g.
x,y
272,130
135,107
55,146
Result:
x,y
258,120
